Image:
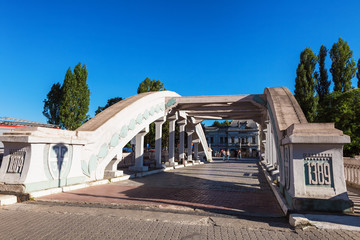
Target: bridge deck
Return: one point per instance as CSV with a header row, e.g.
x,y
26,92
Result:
x,y
235,187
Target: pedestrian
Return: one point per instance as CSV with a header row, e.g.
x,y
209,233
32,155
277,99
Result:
x,y
222,154
227,154
239,153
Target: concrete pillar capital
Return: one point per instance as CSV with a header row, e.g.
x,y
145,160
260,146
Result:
x,y
160,120
173,117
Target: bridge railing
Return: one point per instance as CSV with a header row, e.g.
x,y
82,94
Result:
x,y
352,171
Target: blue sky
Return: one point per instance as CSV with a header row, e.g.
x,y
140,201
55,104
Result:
x,y
194,47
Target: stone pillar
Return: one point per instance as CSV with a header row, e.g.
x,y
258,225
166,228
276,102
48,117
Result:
x,y
139,152
314,168
196,151
172,122
158,138
189,144
111,169
182,125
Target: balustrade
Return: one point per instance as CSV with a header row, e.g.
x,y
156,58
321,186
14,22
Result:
x,y
352,171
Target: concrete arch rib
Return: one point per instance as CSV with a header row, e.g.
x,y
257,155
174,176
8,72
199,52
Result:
x,y
109,131
284,107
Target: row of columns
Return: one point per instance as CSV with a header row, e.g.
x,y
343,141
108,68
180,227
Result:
x,y
139,143
270,145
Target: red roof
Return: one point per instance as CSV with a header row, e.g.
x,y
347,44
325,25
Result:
x,y
9,126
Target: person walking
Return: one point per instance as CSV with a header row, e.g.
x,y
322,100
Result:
x,y
227,154
239,153
222,153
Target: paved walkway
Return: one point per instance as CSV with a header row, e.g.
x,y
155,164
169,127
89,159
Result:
x,y
53,221
220,187
99,212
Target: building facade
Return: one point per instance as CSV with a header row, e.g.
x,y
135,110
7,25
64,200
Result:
x,y
241,134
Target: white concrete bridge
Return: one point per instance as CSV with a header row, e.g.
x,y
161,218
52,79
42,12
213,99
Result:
x,y
305,158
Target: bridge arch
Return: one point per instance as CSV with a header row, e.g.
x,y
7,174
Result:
x,y
108,132
306,158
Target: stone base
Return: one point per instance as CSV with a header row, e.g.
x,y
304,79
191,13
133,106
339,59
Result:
x,y
159,166
12,188
171,164
190,162
341,204
113,174
139,169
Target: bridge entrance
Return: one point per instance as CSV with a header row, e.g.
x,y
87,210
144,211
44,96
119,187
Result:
x,y
306,159
232,188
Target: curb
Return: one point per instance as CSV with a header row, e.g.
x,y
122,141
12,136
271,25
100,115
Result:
x,y
7,199
299,220
282,202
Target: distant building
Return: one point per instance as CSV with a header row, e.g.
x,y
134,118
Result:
x,y
241,134
9,124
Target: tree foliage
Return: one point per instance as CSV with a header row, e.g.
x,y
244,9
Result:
x,y
75,98
323,84
150,86
343,66
225,123
305,84
343,108
52,104
110,102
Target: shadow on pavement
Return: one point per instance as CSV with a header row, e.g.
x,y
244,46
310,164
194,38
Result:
x,y
234,188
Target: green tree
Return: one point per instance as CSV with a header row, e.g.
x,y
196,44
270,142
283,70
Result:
x,y
52,105
305,84
323,84
358,73
110,102
343,108
75,98
343,67
225,123
150,86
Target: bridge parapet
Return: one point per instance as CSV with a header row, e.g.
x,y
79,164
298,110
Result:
x,y
37,158
306,157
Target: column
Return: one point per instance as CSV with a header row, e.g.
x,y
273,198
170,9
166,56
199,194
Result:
x,y
182,125
189,144
172,121
111,169
139,151
158,138
196,149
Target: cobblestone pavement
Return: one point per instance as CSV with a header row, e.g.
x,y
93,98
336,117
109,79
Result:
x,y
51,220
222,200
235,187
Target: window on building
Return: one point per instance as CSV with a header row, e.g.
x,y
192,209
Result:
x,y
253,140
242,140
221,140
212,140
232,140
226,140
